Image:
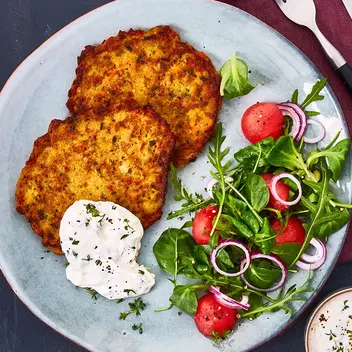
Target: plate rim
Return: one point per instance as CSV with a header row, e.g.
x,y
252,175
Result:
x,y
32,307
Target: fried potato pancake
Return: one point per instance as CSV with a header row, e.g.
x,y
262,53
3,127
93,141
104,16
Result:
x,y
121,156
155,69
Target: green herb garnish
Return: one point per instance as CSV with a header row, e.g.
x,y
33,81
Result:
x,y
138,328
94,293
135,308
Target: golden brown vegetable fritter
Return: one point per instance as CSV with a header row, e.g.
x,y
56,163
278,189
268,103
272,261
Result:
x,y
121,156
155,69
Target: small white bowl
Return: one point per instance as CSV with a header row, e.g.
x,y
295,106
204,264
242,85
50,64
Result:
x,y
330,326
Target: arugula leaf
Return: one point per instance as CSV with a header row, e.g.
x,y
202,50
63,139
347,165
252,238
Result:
x,y
216,157
173,245
335,156
332,218
234,79
312,113
258,192
261,275
255,154
316,210
185,297
287,251
294,98
191,203
284,154
281,300
266,238
331,221
314,94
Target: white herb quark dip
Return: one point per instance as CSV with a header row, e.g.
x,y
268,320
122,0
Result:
x,y
101,241
330,330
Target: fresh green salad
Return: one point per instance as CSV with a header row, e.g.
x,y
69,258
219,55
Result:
x,y
269,211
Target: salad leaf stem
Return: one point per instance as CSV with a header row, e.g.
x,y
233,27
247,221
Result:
x,y
261,295
258,159
341,205
332,142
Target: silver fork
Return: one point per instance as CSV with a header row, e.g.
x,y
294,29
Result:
x,y
303,12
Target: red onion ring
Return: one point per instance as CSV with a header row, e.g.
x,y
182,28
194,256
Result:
x,y
272,258
228,301
320,136
313,262
273,190
212,183
298,117
224,244
320,251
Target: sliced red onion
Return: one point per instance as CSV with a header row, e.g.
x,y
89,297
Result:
x,y
224,244
298,117
321,134
212,183
313,262
273,190
272,258
228,301
319,253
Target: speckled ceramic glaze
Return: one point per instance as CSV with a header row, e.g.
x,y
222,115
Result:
x,y
36,93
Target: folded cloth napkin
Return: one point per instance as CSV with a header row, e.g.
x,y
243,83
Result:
x,y
336,24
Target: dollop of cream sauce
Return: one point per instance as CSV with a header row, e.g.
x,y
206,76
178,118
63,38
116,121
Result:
x,y
101,241
331,327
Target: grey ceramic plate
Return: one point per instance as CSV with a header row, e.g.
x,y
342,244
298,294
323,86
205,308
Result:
x,y
36,93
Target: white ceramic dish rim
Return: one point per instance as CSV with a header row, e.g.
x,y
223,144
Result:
x,y
7,91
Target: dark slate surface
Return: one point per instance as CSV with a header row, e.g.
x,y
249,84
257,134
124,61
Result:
x,y
24,25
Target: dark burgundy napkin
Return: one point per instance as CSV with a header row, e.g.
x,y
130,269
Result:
x,y
336,24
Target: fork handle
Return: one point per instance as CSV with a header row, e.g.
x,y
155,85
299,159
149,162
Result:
x,y
345,72
336,59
